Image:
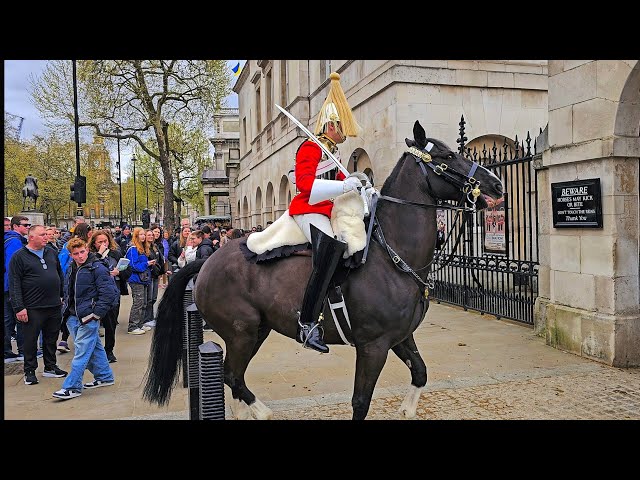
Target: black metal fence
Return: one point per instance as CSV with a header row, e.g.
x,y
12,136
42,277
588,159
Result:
x,y
494,269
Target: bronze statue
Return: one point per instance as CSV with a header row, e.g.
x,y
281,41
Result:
x,y
30,189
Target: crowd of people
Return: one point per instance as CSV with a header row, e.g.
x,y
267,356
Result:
x,y
62,290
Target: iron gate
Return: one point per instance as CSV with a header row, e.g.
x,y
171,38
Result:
x,y
494,268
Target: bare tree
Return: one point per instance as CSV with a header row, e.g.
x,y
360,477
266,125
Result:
x,y
141,98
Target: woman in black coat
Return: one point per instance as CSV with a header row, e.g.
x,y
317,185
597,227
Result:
x,y
104,246
175,251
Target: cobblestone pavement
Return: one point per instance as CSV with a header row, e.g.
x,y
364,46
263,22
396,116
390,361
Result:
x,y
601,393
586,392
479,368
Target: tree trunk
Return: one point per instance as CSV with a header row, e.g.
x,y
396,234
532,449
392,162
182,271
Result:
x,y
165,165
169,223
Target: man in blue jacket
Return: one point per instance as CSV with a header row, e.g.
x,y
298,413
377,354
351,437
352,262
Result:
x,y
14,239
89,293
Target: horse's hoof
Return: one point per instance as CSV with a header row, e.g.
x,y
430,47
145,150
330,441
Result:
x,y
241,410
261,411
406,412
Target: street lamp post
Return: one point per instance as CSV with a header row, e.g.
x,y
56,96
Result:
x,y
117,131
135,197
146,182
6,201
158,206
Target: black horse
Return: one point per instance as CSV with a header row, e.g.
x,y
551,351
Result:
x,y
386,303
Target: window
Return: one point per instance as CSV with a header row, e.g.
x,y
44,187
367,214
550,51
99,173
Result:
x,y
258,111
325,69
269,95
244,134
284,83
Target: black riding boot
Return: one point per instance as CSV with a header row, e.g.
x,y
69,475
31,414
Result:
x,y
326,253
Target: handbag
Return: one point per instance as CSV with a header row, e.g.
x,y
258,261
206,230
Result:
x,y
144,276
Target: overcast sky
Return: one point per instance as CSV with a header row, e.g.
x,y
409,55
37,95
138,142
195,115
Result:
x,y
18,102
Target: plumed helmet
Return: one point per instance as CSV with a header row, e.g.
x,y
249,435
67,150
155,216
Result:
x,y
336,109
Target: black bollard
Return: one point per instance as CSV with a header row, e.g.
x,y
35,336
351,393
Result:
x,y
186,301
211,382
194,335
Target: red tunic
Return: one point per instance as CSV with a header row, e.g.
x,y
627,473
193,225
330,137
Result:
x,y
307,159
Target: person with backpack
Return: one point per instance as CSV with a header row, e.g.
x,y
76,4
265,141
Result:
x,y
14,239
83,231
89,294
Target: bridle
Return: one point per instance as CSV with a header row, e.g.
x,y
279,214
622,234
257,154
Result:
x,y
470,191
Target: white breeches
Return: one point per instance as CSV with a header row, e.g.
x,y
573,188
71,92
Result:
x,y
320,221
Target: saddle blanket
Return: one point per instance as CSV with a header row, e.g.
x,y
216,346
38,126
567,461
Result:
x,y
284,236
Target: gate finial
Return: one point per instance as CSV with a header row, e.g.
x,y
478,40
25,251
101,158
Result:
x,y
462,138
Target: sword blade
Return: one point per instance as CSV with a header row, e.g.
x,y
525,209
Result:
x,y
314,139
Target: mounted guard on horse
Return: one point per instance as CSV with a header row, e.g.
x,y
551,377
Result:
x,y
388,295
30,190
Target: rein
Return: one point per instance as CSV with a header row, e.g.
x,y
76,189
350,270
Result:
x,y
470,188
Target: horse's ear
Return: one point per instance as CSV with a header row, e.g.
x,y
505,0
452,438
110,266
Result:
x,y
419,135
409,142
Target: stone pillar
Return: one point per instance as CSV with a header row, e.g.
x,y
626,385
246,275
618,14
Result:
x,y
207,204
589,277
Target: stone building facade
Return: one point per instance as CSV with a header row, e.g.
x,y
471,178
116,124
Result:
x,y
589,289
499,98
218,181
589,298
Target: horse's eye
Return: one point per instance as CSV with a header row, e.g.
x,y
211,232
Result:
x,y
450,156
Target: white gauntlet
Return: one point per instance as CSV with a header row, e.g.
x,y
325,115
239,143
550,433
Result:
x,y
351,183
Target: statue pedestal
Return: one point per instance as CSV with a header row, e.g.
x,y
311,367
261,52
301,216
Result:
x,y
35,218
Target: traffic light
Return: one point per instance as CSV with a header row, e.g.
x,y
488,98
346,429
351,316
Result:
x,y
79,189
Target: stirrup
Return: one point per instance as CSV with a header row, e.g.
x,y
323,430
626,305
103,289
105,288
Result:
x,y
306,332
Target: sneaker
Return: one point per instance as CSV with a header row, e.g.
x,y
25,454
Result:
x,y
63,347
137,331
30,378
11,357
64,394
98,383
39,354
146,328
54,372
111,357
150,323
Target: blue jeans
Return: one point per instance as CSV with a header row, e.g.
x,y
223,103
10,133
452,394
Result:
x,y
89,354
10,323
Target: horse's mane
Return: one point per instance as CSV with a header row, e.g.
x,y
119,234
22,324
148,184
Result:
x,y
392,176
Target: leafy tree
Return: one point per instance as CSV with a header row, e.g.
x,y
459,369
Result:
x,y
144,99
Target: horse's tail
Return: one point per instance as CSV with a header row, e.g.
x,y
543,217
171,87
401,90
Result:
x,y
166,346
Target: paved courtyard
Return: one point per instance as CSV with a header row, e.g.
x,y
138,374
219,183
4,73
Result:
x,y
479,368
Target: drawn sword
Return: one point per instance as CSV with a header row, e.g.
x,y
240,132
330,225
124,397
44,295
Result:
x,y
314,139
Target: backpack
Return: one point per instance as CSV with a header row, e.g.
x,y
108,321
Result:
x,y
112,283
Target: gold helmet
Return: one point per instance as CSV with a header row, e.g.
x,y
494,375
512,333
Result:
x,y
336,109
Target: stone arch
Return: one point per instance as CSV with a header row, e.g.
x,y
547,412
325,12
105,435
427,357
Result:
x,y
359,161
627,123
257,214
269,205
284,196
245,213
